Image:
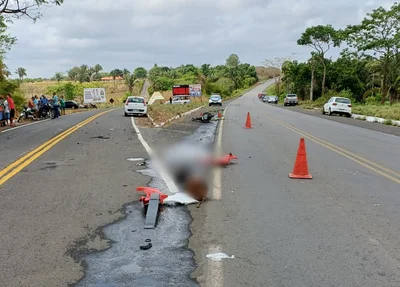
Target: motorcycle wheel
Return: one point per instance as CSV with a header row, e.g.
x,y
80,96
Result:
x,y
51,114
20,118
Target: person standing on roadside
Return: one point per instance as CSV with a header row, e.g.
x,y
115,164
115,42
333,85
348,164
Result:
x,y
62,105
56,106
11,106
6,113
2,113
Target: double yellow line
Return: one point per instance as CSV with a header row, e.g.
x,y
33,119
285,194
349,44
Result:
x,y
27,159
379,169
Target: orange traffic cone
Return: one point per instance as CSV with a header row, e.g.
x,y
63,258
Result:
x,y
300,169
248,122
219,114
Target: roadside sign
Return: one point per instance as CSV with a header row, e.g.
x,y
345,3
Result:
x,y
195,90
94,95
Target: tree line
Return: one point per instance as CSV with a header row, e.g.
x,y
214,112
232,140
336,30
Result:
x,y
222,79
368,67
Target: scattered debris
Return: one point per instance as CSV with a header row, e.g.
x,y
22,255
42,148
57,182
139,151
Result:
x,y
181,198
101,137
146,247
377,204
134,159
204,117
148,240
141,164
219,256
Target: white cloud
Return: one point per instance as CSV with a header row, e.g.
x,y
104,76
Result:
x,y
128,34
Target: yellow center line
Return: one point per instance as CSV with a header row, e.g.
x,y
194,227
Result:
x,y
24,161
356,158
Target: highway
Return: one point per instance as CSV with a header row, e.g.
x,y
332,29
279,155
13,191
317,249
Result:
x,y
341,228
67,190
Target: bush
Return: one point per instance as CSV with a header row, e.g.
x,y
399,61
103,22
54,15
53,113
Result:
x,y
372,101
19,100
248,82
126,95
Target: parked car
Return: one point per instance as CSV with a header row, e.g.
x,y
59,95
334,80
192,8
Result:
x,y
180,100
215,100
261,95
273,99
265,99
71,105
291,100
135,106
338,105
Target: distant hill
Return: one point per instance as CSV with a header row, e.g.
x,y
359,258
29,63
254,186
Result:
x,y
267,73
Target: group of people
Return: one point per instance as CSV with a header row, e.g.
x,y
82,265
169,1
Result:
x,y
37,105
7,111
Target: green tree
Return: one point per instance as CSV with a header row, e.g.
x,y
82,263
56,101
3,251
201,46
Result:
x,y
130,81
206,69
321,39
83,74
140,73
95,72
73,73
379,33
21,72
6,40
125,72
4,72
116,73
232,65
28,8
58,76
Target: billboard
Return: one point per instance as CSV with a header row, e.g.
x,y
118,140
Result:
x,y
94,95
195,90
180,90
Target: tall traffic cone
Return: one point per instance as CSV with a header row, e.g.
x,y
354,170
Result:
x,y
300,169
248,122
219,114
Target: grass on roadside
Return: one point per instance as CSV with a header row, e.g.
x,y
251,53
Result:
x,y
381,111
161,113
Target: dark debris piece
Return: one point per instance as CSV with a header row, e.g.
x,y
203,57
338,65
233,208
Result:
x,y
146,247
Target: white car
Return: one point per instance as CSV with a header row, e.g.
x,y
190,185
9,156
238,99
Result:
x,y
337,105
135,106
215,100
181,100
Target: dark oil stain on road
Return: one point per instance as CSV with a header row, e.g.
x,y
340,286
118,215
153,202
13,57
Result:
x,y
169,262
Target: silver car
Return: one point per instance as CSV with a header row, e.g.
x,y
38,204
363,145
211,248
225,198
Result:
x,y
291,100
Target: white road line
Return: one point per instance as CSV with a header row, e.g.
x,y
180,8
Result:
x,y
157,164
215,272
22,126
216,193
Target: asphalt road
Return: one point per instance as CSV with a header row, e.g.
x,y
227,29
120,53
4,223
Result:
x,y
348,121
79,198
341,228
53,209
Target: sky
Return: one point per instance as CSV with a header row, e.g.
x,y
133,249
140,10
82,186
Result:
x,y
133,33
